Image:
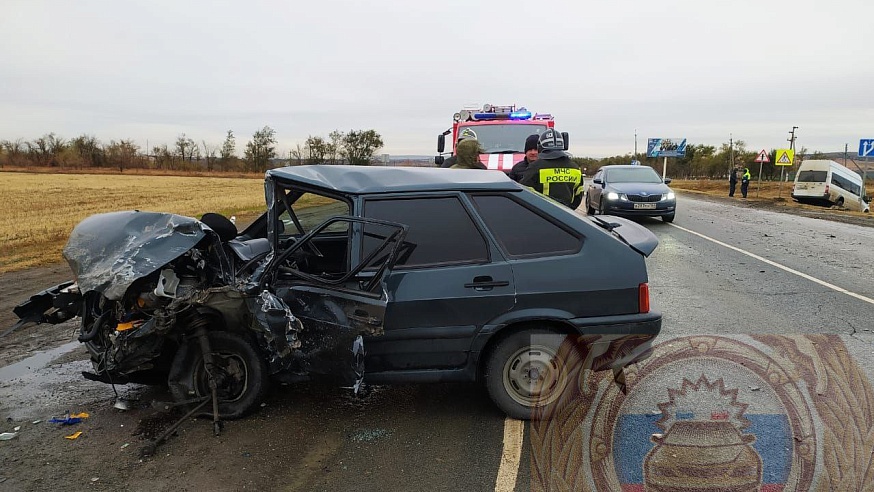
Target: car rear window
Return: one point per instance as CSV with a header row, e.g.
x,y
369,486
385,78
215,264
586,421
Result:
x,y
440,230
812,176
523,232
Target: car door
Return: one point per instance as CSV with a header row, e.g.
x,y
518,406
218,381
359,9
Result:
x,y
336,308
594,193
448,282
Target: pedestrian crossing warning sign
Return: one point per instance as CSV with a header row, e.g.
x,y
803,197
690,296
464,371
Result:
x,y
785,157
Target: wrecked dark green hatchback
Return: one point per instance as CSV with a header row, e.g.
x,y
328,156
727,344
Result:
x,y
383,275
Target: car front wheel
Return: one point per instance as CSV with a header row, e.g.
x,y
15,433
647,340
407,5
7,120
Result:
x,y
668,218
239,371
530,373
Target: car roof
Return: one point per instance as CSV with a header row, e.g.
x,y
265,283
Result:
x,y
623,166
381,179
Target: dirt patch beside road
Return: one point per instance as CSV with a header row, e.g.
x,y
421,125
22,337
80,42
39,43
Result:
x,y
784,204
16,287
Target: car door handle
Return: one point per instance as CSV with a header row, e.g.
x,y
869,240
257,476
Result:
x,y
362,317
486,283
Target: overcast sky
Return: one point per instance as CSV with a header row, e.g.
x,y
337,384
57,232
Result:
x,y
699,69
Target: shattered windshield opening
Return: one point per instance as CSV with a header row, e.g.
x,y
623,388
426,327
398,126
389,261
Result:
x,y
303,211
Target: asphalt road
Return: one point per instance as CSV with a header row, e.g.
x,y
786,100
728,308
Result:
x,y
784,357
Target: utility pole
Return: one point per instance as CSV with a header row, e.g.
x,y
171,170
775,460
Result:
x,y
791,141
635,145
730,152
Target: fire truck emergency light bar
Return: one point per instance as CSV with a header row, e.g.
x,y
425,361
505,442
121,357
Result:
x,y
490,112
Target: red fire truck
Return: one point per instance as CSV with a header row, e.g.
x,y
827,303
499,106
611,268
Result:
x,y
500,130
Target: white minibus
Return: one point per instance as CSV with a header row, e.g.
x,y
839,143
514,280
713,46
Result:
x,y
825,182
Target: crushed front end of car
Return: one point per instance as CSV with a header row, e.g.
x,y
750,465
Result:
x,y
149,287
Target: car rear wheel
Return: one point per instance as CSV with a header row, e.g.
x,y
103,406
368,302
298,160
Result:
x,y
668,218
530,373
840,202
240,373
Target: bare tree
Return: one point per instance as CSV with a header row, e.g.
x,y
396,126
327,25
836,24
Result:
x,y
336,146
16,152
317,148
297,155
183,147
163,156
122,154
209,153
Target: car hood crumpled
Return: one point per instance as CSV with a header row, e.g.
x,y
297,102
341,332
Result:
x,y
108,252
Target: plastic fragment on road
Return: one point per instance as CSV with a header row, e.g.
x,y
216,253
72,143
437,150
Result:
x,y
70,419
74,435
7,436
17,428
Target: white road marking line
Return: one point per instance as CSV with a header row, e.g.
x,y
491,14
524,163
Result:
x,y
514,432
777,265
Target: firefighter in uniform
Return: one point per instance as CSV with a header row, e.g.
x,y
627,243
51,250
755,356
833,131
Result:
x,y
553,173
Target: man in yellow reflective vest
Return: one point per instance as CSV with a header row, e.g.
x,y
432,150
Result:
x,y
553,173
745,182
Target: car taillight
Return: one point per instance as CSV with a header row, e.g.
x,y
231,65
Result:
x,y
826,189
643,298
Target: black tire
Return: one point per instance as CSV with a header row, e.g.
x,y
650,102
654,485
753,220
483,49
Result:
x,y
840,202
242,374
551,356
668,218
590,210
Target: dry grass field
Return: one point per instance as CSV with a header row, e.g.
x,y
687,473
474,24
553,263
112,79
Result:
x,y
40,210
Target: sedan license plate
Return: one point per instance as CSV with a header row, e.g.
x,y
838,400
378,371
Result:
x,y
646,206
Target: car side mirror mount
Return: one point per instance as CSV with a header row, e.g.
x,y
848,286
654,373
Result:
x,y
441,143
598,181
566,138
667,180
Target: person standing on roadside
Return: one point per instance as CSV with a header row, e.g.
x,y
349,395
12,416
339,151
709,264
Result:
x,y
530,156
554,174
745,182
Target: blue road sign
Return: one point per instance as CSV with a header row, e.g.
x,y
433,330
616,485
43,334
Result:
x,y
866,147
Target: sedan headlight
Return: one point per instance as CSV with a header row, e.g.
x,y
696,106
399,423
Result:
x,y
671,195
612,195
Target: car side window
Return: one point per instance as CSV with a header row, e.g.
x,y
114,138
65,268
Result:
x,y
523,232
440,230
